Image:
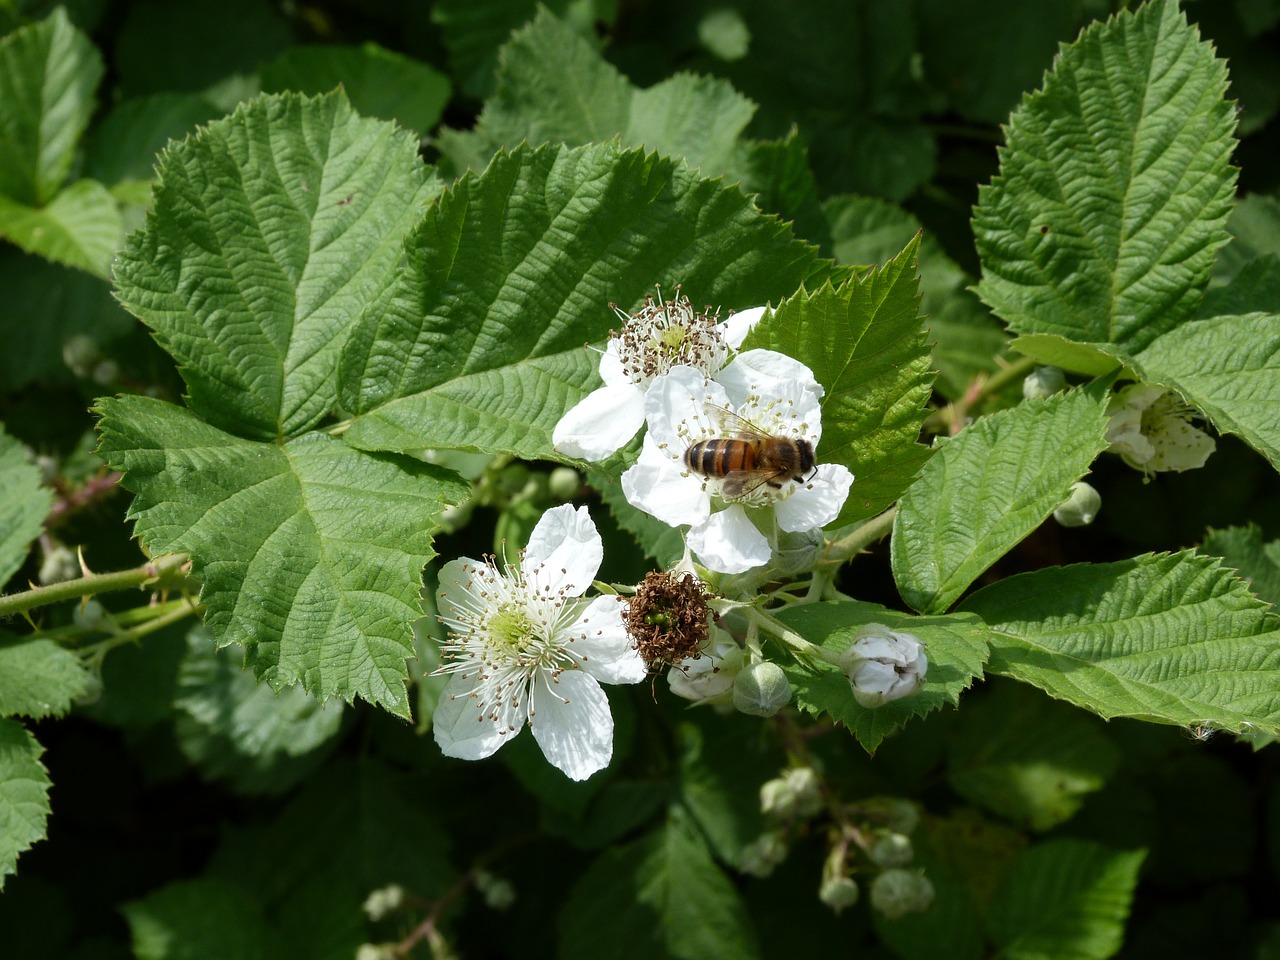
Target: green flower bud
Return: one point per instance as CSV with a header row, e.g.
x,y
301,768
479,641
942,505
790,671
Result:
x,y
797,793
889,849
761,856
383,901
1080,507
761,690
1043,382
897,892
564,484
838,893
499,894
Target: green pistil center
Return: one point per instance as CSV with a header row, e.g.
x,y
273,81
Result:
x,y
511,627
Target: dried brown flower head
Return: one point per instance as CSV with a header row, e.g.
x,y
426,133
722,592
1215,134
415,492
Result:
x,y
668,617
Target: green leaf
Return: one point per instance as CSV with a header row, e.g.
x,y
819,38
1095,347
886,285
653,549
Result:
x,y
1037,771
310,552
242,732
272,229
24,794
1171,638
1229,368
1052,350
1064,900
379,82
865,343
38,678
478,344
956,649
988,488
198,919
123,147
1114,187
80,227
1254,225
24,503
644,888
49,72
1257,563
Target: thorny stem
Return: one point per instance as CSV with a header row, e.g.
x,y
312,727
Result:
x,y
158,618
162,572
851,544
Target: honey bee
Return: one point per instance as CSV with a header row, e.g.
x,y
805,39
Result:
x,y
749,457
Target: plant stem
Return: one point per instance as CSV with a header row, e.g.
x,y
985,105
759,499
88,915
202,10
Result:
x,y
851,544
169,567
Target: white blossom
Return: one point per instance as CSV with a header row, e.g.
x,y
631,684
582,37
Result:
x,y
659,336
1150,428
884,664
709,678
526,648
779,397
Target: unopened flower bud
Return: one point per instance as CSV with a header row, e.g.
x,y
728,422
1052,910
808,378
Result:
x,y
1043,382
889,849
761,856
512,478
80,353
383,902
90,615
708,678
896,893
838,893
1080,507
797,793
564,484
884,664
58,565
761,690
498,893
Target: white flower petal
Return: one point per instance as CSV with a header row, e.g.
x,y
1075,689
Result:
x,y
572,723
611,371
661,487
736,326
757,370
729,542
604,647
675,407
816,503
464,731
564,551
601,423
455,576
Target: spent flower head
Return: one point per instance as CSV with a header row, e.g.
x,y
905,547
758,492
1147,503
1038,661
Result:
x,y
524,647
668,618
1151,430
661,335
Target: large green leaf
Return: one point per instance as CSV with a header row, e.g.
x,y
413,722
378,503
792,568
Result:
x,y
81,227
200,920
1064,900
478,344
988,488
1114,187
38,678
865,343
24,794
1172,638
644,887
48,74
272,230
1256,562
956,648
310,552
379,82
1229,368
24,504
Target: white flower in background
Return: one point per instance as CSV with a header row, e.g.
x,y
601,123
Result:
x,y
775,395
884,664
659,336
524,647
1151,430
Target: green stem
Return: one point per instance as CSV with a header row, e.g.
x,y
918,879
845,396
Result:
x,y
954,415
802,648
164,568
851,544
161,616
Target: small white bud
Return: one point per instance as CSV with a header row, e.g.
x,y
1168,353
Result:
x,y
838,893
1080,507
761,856
889,849
797,793
708,678
58,565
564,484
884,664
761,690
498,893
1043,382
896,893
384,901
